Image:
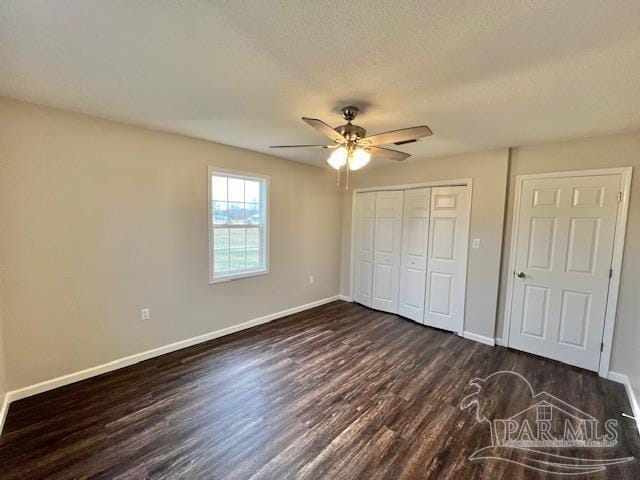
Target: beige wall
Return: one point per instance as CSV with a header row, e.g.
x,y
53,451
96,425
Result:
x,y
3,376
489,173
100,219
591,153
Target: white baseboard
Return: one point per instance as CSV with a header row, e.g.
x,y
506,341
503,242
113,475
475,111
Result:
x,y
633,400
345,298
155,352
501,341
3,410
618,377
479,338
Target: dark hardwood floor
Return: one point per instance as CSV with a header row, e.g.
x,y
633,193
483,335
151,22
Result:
x,y
337,392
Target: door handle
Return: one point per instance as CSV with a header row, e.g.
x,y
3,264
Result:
x,y
520,275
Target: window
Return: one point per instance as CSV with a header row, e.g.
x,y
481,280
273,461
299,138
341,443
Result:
x,y
238,225
545,413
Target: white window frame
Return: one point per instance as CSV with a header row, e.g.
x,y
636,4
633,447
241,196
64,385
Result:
x,y
264,213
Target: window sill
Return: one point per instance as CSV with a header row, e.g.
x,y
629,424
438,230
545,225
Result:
x,y
237,276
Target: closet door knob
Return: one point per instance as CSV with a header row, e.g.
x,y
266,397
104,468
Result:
x,y
520,275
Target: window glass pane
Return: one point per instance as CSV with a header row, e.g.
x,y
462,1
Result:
x,y
219,188
236,213
220,250
238,260
251,191
237,238
236,190
253,258
220,213
253,238
221,261
220,239
237,243
252,213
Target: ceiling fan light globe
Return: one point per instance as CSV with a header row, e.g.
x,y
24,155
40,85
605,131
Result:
x,y
338,158
359,159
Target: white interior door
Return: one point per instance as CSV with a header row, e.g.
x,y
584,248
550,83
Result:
x,y
387,247
413,264
563,257
364,237
447,258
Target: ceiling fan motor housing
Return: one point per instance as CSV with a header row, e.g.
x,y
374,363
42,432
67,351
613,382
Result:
x,y
351,132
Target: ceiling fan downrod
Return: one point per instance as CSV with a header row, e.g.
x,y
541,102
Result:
x,y
349,113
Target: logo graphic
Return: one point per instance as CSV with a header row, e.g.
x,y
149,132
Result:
x,y
537,427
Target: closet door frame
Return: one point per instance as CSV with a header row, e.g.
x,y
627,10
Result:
x,y
468,182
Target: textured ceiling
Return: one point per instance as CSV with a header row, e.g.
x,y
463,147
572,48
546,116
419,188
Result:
x,y
481,74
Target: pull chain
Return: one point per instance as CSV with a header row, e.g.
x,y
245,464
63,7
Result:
x,y
346,187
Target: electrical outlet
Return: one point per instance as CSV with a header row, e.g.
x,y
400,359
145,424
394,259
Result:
x,y
475,243
311,280
145,314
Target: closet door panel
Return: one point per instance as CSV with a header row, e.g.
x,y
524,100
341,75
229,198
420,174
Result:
x,y
364,243
387,250
415,228
447,258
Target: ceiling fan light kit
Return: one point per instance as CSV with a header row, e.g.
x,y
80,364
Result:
x,y
338,158
358,158
353,148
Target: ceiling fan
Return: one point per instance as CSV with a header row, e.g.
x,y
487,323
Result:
x,y
353,148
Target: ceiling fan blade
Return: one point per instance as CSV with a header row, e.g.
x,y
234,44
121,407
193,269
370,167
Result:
x,y
397,136
300,146
324,129
388,153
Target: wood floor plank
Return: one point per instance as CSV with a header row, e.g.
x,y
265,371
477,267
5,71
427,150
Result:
x,y
339,392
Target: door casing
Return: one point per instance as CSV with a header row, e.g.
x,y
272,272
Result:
x,y
616,261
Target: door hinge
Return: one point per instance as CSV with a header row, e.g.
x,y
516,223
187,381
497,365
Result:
x,y
601,346
619,197
610,272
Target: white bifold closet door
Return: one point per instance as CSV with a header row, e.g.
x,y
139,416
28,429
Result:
x,y
447,258
386,250
413,265
364,237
